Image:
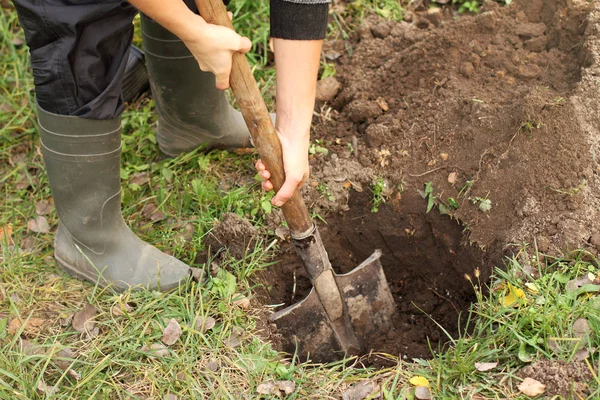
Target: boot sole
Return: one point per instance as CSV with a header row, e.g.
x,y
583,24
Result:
x,y
75,273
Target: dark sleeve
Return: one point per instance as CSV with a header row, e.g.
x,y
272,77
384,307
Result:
x,y
299,19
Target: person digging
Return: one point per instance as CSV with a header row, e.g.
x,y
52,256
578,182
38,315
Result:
x,y
79,53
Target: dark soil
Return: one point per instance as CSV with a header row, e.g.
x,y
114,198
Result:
x,y
234,233
499,106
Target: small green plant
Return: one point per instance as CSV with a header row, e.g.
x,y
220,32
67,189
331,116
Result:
x,y
324,190
380,191
467,5
429,196
485,204
328,70
318,147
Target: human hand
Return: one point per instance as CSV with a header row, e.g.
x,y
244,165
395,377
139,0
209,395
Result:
x,y
213,47
295,165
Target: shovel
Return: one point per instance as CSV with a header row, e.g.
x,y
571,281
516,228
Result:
x,y
342,314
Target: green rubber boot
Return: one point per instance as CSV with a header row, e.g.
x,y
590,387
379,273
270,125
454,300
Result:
x,y
93,242
191,111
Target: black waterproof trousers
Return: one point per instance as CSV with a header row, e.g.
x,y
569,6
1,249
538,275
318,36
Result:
x,y
79,50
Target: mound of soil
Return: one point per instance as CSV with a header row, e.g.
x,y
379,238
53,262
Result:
x,y
496,110
568,380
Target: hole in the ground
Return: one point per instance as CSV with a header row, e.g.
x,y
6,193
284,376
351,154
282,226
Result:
x,y
425,257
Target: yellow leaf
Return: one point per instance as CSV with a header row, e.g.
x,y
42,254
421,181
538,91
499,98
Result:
x,y
419,381
513,294
533,288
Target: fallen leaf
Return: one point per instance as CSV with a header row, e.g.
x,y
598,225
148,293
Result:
x,y
43,207
234,340
6,234
38,225
532,287
64,358
170,396
267,388
205,324
419,381
46,389
582,354
121,308
276,387
31,328
74,374
66,321
581,328
31,348
83,321
575,284
18,41
452,177
482,367
241,301
139,178
513,294
422,393
444,156
531,387
212,366
152,213
156,350
171,333
28,243
359,391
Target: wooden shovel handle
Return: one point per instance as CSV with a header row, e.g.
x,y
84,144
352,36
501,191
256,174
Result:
x,y
259,122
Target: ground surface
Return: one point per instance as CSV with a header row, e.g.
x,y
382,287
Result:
x,y
502,99
487,110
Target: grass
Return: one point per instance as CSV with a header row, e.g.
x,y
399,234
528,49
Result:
x,y
232,359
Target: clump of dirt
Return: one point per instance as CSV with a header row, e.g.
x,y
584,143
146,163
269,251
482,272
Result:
x,y
565,379
493,113
234,233
490,98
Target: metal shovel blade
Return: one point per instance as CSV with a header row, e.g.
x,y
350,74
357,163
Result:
x,y
305,327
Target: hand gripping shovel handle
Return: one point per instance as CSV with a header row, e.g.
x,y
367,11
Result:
x,y
259,122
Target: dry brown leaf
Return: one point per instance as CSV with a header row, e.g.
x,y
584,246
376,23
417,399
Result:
x,y
422,393
6,234
574,284
64,358
452,177
46,389
152,213
531,387
31,348
482,367
28,243
581,328
205,324
170,396
172,332
43,207
38,225
155,350
276,387
139,178
234,340
212,366
359,391
121,308
32,326
83,321
241,301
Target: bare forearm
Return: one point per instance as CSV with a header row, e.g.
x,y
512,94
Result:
x,y
297,64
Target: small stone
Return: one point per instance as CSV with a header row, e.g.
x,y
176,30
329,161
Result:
x,y
327,89
361,110
452,177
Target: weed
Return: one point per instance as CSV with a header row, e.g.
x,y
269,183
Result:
x,y
380,191
318,147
